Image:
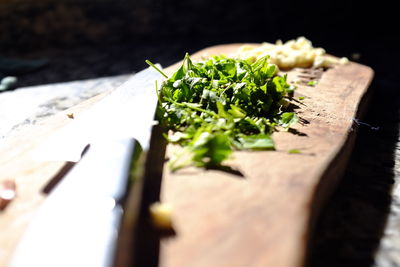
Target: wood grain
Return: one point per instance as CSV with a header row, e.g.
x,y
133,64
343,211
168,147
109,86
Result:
x,y
259,218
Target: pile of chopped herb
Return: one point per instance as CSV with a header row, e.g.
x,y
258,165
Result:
x,y
222,104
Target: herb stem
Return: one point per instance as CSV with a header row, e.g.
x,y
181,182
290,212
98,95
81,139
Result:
x,y
187,105
156,68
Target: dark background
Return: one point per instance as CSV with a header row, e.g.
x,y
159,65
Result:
x,y
88,39
108,37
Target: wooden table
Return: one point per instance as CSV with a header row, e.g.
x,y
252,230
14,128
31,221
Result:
x,y
262,217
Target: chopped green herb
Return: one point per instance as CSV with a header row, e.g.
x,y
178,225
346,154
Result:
x,y
294,151
288,119
312,83
221,104
301,97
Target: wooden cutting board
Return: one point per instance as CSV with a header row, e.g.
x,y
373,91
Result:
x,y
261,214
264,217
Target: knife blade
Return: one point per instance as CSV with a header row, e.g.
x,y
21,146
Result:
x,y
126,112
78,223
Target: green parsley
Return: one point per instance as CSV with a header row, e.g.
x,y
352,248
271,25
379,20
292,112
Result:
x,y
222,104
312,83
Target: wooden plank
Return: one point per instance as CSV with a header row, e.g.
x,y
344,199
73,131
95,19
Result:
x,y
258,219
263,217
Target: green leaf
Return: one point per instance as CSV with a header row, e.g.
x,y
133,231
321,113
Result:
x,y
270,70
177,136
178,75
294,151
288,119
256,142
278,82
312,83
228,69
211,149
237,112
221,110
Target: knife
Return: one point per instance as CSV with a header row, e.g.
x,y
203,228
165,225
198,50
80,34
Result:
x,y
126,112
78,223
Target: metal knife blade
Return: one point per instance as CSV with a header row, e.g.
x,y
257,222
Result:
x,y
78,223
126,112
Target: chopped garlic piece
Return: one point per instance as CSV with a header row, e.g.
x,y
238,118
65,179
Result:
x,y
292,54
161,215
344,60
